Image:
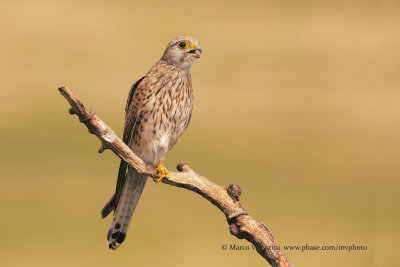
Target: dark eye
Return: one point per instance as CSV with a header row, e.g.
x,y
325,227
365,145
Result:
x,y
183,44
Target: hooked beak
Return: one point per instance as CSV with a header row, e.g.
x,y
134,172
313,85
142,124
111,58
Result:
x,y
196,51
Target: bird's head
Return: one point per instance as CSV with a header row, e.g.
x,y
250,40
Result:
x,y
182,52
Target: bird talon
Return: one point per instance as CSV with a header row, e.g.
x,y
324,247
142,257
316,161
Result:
x,y
162,172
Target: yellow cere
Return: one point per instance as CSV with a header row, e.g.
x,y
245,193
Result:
x,y
194,45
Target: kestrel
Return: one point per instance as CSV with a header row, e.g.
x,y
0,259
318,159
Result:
x,y
157,112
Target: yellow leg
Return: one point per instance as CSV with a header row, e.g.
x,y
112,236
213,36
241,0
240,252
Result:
x,y
162,172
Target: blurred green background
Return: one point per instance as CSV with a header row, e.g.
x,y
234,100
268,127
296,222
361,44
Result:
x,y
296,101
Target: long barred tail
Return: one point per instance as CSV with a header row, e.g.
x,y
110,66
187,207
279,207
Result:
x,y
132,191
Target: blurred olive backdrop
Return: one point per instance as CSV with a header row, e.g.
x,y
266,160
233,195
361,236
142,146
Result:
x,y
296,101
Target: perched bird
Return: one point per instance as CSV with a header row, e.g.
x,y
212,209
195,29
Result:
x,y
157,112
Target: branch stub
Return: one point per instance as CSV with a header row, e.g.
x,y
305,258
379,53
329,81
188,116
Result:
x,y
234,191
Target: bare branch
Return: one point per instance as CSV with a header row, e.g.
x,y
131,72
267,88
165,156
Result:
x,y
241,224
